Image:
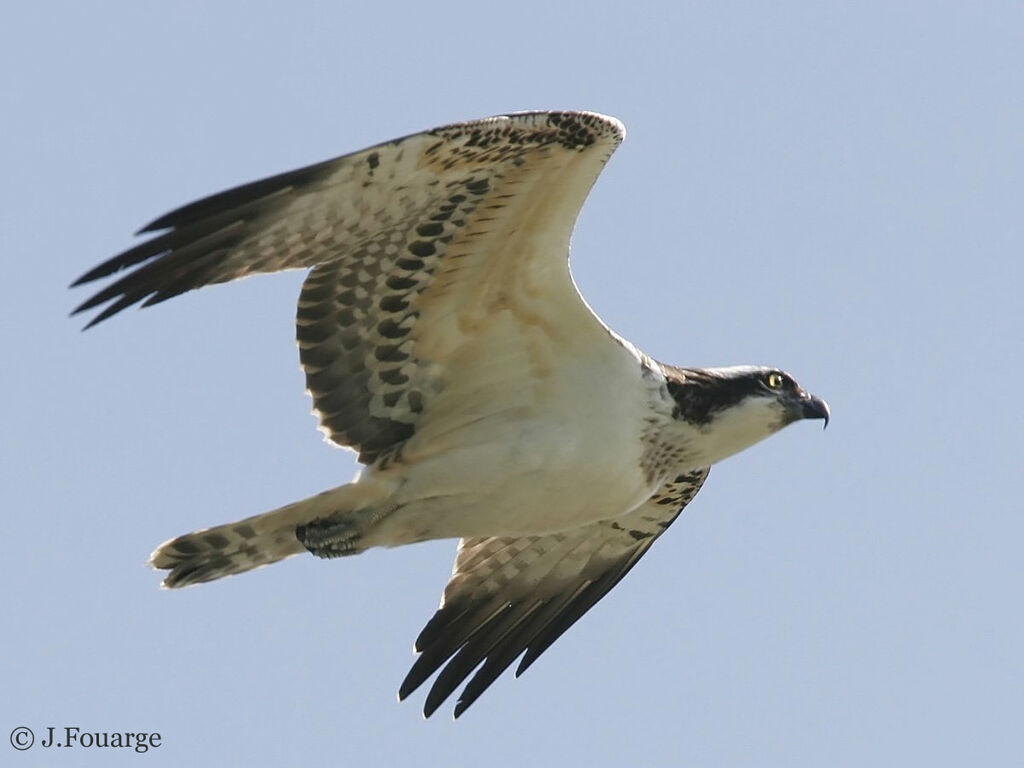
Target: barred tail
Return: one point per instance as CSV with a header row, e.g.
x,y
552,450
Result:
x,y
212,553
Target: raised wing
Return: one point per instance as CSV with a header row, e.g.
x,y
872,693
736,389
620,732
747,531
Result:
x,y
510,595
413,244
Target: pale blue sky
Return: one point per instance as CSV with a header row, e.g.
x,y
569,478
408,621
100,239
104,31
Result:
x,y
834,188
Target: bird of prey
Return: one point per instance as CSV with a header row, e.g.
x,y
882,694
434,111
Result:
x,y
444,340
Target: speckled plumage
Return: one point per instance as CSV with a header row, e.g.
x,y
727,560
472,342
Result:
x,y
443,339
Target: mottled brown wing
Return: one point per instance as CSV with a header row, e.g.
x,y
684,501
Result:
x,y
410,242
508,596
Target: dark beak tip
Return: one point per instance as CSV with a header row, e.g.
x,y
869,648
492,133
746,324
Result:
x,y
816,408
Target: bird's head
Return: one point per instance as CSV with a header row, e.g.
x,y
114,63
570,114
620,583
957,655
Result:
x,y
733,408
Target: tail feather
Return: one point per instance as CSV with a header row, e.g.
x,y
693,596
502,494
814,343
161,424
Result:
x,y
212,553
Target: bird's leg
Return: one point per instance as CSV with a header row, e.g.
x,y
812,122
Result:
x,y
339,533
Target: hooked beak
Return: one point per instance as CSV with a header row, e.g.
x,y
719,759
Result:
x,y
814,408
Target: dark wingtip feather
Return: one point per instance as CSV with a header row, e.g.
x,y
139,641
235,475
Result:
x,y
430,707
156,225
262,189
110,311
186,242
422,668
93,301
108,267
95,321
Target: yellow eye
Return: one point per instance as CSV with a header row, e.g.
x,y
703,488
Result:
x,y
774,380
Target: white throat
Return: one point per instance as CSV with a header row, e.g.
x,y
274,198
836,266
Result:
x,y
734,429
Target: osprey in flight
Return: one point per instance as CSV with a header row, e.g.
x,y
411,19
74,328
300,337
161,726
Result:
x,y
444,340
